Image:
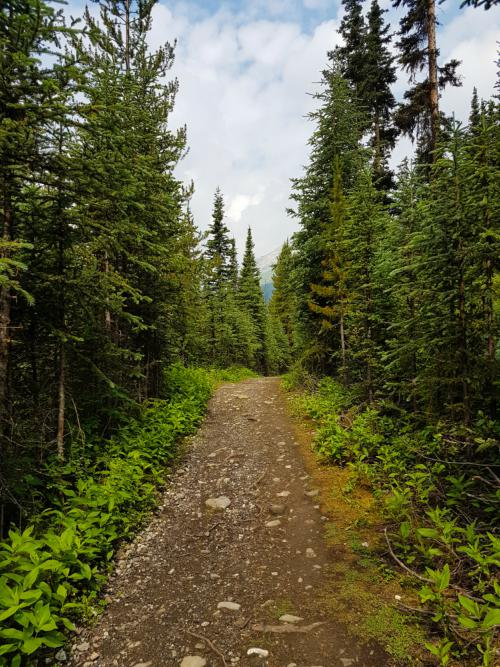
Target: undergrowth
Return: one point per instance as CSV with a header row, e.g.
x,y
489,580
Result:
x,y
439,491
52,573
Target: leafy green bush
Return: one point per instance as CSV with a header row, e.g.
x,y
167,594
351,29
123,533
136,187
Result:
x,y
442,509
52,572
233,374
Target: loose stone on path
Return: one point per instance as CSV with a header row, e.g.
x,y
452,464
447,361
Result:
x,y
220,503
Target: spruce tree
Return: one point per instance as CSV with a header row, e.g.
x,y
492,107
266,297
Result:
x,y
365,322
379,73
330,297
282,305
251,301
220,252
337,135
351,56
419,115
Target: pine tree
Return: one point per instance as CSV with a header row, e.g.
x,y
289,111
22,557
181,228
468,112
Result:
x,y
32,99
337,135
233,264
379,73
365,321
330,298
128,209
219,248
351,56
251,301
282,305
419,114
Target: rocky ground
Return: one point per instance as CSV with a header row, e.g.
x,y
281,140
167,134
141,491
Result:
x,y
230,569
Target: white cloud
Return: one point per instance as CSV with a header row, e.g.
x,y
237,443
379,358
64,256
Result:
x,y
244,77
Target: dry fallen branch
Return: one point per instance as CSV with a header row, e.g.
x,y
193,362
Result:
x,y
211,644
287,628
462,591
401,564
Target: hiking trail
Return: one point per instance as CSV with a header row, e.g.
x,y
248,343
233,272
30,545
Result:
x,y
234,559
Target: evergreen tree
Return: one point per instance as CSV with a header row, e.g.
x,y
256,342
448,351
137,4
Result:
x,y
251,301
220,252
282,305
419,115
233,264
379,73
337,135
330,298
33,99
365,321
351,56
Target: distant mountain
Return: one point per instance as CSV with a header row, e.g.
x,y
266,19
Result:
x,y
265,265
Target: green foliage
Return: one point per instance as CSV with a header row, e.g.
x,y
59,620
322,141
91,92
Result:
x,y
442,509
52,572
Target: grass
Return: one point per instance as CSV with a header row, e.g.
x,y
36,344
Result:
x,y
362,588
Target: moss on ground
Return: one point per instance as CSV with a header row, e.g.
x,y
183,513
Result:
x,y
363,586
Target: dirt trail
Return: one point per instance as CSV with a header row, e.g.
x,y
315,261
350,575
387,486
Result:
x,y
264,552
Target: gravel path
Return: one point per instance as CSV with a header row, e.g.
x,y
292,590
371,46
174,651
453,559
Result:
x,y
204,585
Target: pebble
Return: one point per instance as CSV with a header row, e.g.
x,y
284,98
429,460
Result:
x,y
193,661
283,494
312,493
231,606
61,655
290,618
277,509
143,664
310,553
273,523
220,503
84,646
261,652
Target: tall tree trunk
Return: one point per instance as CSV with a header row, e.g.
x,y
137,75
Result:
x,y
61,401
463,347
433,72
127,36
107,312
5,307
377,158
342,348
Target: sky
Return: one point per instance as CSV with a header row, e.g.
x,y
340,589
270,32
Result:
x,y
246,70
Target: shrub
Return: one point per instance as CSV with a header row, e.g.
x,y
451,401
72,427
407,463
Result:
x,y
51,573
442,508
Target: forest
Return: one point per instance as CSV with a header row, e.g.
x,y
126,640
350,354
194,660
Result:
x,y
118,316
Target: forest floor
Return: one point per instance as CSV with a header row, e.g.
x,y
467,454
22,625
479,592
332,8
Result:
x,y
201,586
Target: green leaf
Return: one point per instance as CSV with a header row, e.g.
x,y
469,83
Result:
x,y
7,648
68,624
492,619
30,645
469,605
9,612
11,633
467,622
31,577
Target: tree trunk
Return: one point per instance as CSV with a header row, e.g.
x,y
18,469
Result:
x,y
61,403
107,312
5,309
343,350
377,158
433,72
127,36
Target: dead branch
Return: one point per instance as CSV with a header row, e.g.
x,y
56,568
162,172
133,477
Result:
x,y
211,644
